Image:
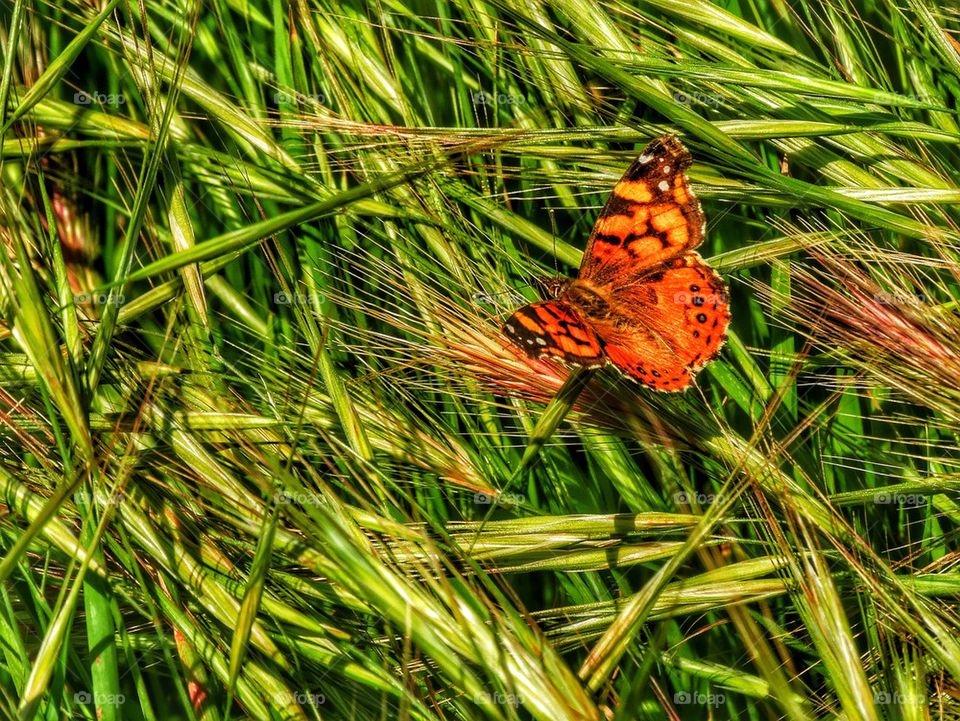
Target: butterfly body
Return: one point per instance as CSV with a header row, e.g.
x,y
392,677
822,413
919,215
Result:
x,y
588,299
644,300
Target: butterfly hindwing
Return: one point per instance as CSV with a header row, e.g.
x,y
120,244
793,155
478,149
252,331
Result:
x,y
678,323
552,328
651,215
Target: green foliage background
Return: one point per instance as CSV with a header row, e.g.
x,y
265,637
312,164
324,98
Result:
x,y
255,407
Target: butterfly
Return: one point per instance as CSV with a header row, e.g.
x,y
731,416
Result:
x,y
644,300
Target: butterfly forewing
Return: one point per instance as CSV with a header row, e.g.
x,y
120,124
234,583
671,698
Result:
x,y
650,217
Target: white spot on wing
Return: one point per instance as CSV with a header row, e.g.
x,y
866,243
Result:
x,y
509,328
541,341
663,185
666,169
644,159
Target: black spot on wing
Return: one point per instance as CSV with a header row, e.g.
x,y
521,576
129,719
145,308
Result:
x,y
618,205
551,312
665,150
660,235
608,239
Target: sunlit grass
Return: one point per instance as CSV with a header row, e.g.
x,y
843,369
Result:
x,y
265,453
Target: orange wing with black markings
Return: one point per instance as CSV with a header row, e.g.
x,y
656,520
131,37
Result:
x,y
681,314
553,329
644,299
650,217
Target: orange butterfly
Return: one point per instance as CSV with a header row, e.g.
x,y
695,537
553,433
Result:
x,y
644,299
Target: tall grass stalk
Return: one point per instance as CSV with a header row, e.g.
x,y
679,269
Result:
x,y
265,453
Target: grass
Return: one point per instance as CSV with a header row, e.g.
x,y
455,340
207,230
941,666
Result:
x,y
265,453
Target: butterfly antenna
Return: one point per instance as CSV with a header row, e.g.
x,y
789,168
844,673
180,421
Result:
x,y
553,232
